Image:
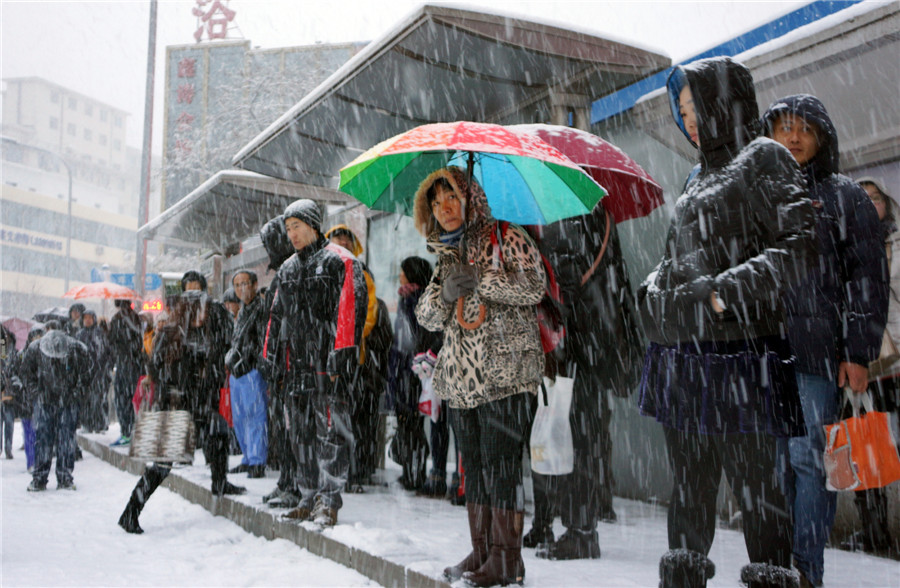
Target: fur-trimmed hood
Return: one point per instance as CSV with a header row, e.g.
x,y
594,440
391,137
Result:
x,y
472,195
357,248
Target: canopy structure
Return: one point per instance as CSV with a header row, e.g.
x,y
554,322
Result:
x,y
441,64
228,208
848,59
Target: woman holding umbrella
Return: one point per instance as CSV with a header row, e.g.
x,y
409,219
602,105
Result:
x,y
491,359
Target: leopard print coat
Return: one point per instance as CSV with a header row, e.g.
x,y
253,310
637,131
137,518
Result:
x,y
503,356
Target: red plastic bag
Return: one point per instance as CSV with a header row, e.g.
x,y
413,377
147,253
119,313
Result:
x,y
225,405
861,451
141,400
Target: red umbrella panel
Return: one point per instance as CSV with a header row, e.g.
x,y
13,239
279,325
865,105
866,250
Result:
x,y
103,290
631,192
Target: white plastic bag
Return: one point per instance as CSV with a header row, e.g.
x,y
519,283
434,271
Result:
x,y
551,437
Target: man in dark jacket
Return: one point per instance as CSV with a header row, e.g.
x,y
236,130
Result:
x,y
126,343
56,370
603,352
718,374
286,493
94,408
248,389
10,387
314,333
835,317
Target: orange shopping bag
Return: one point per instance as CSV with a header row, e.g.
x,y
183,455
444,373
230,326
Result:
x,y
861,451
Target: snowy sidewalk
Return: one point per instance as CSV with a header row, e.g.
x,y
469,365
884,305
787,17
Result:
x,y
386,534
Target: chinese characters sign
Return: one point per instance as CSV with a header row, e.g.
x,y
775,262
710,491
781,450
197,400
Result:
x,y
212,18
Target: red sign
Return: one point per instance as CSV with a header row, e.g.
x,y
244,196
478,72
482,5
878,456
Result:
x,y
153,305
215,19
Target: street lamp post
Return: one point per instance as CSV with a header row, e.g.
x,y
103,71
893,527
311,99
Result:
x,y
69,223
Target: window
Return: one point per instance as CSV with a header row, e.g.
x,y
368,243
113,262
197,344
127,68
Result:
x,y
54,97
117,121
89,109
70,128
73,104
117,145
87,134
103,115
101,139
54,122
13,153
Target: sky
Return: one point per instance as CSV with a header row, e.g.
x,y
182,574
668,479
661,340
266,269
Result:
x,y
99,47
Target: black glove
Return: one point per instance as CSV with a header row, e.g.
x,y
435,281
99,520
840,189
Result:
x,y
461,281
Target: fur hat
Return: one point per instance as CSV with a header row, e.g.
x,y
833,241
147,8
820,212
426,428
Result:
x,y
307,211
470,194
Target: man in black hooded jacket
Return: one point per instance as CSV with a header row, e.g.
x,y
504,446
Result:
x,y
312,345
835,316
126,343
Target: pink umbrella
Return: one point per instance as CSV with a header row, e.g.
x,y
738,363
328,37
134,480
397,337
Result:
x,y
631,192
105,290
19,327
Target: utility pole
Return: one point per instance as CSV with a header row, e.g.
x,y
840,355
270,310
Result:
x,y
140,258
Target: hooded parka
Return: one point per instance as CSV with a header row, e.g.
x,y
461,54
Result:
x,y
503,356
744,229
837,312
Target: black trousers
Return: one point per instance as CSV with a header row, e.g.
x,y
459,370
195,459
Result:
x,y
491,438
749,462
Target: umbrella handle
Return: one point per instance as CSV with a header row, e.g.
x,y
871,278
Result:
x,y
462,322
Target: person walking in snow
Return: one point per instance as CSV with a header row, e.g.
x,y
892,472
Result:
x,y
835,315
314,333
487,372
10,387
187,367
719,373
248,388
126,343
56,371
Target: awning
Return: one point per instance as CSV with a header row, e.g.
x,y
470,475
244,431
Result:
x,y
440,64
848,59
228,208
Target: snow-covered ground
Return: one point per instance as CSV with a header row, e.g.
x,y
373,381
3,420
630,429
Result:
x,y
57,538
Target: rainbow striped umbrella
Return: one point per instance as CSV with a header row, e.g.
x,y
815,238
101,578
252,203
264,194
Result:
x,y
526,180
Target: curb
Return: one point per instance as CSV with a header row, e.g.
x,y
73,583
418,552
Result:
x,y
267,525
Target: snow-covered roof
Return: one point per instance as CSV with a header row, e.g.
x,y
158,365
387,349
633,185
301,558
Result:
x,y
440,63
228,208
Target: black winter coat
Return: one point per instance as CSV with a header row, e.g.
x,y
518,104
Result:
x,y
410,339
744,227
838,312
191,359
317,318
56,370
602,336
126,340
248,337
11,388
98,347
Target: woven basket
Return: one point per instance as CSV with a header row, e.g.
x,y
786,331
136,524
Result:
x,y
163,436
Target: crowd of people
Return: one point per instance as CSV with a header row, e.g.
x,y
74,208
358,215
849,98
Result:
x,y
779,281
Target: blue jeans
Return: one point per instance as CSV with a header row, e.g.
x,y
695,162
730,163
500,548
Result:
x,y
54,426
813,505
30,441
249,411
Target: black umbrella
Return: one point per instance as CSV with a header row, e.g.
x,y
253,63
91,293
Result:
x,y
56,313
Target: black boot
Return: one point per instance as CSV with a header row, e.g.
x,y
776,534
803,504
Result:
x,y
763,575
683,568
874,537
150,480
573,544
539,534
217,455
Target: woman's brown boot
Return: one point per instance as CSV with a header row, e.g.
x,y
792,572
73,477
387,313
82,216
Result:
x,y
480,532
